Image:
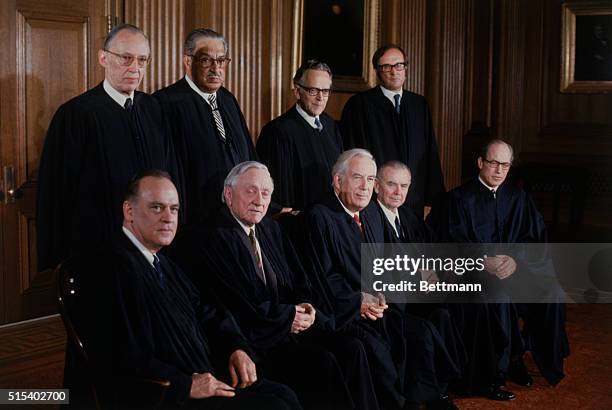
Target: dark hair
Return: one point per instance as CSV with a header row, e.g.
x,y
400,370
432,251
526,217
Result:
x,y
485,149
198,33
382,50
133,189
311,65
392,164
119,28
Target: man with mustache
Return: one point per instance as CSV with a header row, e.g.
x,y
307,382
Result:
x,y
208,128
95,143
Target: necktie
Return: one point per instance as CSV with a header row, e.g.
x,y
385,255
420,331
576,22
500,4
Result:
x,y
212,99
398,228
397,97
358,222
158,270
318,124
493,192
253,240
128,104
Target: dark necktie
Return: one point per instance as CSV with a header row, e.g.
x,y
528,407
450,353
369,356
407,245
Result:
x,y
398,228
318,124
397,97
258,260
128,104
494,194
158,270
212,99
358,222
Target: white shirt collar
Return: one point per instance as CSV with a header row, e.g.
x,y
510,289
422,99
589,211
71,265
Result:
x,y
246,228
307,117
147,253
390,215
116,95
490,188
348,211
195,88
390,94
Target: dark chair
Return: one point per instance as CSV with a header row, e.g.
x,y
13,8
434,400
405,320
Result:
x,y
149,393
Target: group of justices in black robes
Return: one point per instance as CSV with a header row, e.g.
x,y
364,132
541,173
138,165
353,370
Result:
x,y
139,316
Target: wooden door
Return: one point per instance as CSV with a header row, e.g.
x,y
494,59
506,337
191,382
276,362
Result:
x,y
48,55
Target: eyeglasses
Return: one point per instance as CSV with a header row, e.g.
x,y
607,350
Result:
x,y
385,68
126,60
206,61
495,164
313,91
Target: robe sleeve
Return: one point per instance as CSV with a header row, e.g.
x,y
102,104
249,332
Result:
x,y
58,177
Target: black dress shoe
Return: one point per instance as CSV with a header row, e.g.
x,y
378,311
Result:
x,y
443,403
500,394
518,374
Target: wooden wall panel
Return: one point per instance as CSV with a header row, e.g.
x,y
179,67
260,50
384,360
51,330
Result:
x,y
164,21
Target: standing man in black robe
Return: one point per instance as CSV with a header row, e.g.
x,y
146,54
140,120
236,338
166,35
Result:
x,y
301,146
395,124
339,225
95,144
208,129
154,324
243,259
490,210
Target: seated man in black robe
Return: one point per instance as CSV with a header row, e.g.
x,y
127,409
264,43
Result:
x,y
301,146
95,144
395,124
338,226
243,259
154,324
208,129
489,210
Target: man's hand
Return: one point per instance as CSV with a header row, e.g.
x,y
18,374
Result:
x,y
242,369
304,317
205,385
372,307
501,266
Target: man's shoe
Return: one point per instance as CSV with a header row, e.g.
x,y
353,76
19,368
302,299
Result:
x,y
443,403
500,394
518,374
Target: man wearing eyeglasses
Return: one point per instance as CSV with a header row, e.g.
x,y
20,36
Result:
x,y
208,128
301,146
489,210
95,143
395,124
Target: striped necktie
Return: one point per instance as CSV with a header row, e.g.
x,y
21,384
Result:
x,y
158,270
257,252
318,124
212,99
358,222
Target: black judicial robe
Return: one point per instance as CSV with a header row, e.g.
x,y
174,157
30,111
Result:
x,y
203,158
472,215
218,257
422,363
92,150
413,228
369,121
139,326
299,157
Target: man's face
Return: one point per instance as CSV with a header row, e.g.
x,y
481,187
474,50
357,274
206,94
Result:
x,y
392,187
313,104
492,171
153,216
249,199
392,80
122,78
355,187
208,76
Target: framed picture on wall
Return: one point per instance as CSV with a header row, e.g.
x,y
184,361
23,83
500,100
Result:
x,y
586,47
342,33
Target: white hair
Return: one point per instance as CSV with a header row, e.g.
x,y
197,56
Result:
x,y
232,178
341,164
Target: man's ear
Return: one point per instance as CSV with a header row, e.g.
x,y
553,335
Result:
x,y
103,58
337,179
376,186
187,62
480,162
227,194
128,211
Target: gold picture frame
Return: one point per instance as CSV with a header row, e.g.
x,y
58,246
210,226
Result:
x,y
371,34
586,47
